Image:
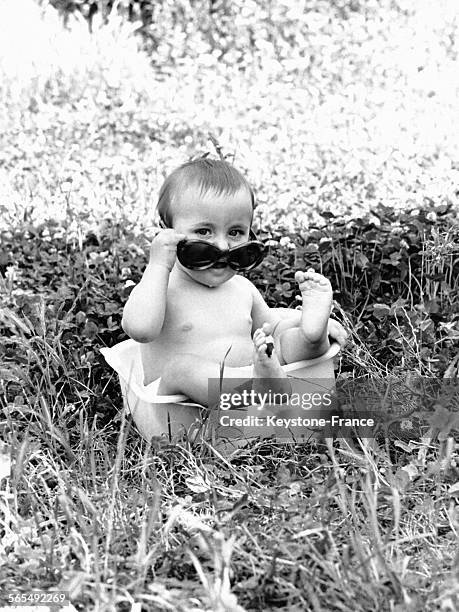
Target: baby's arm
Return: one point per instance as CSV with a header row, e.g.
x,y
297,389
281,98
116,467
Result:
x,y
280,319
143,315
262,313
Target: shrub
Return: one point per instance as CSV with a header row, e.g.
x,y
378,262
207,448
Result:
x,y
395,277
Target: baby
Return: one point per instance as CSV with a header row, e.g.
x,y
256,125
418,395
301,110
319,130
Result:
x,y
190,321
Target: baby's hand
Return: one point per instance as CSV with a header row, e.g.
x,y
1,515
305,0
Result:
x,y
163,250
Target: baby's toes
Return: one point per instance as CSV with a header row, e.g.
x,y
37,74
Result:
x,y
316,277
314,280
303,277
322,281
300,276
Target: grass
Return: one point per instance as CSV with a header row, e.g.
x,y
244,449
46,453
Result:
x,y
91,129
91,125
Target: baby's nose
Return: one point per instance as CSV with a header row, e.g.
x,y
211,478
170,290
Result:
x,y
222,243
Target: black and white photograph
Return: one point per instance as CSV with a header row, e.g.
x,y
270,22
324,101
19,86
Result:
x,y
229,305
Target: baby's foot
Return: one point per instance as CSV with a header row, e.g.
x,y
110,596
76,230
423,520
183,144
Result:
x,y
268,374
317,295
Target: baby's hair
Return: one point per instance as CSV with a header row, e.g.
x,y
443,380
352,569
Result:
x,y
207,175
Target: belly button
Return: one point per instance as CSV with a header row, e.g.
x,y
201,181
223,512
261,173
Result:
x,y
187,327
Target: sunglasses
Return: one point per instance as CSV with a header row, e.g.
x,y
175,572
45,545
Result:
x,y
201,255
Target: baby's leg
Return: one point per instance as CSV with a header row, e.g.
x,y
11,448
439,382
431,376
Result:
x,y
310,338
189,374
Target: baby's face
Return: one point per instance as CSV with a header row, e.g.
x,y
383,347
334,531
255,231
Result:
x,y
223,220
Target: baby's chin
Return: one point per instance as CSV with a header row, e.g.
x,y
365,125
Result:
x,y
214,277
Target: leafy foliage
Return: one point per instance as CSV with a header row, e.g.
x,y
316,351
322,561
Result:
x,y
73,291
411,255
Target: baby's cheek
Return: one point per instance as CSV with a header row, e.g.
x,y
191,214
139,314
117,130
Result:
x,y
240,240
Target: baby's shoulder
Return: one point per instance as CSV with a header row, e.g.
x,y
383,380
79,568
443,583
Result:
x,y
243,290
242,284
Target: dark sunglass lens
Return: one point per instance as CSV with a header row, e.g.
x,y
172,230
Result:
x,y
246,256
196,254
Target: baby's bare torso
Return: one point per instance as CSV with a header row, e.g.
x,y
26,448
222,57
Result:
x,y
205,322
